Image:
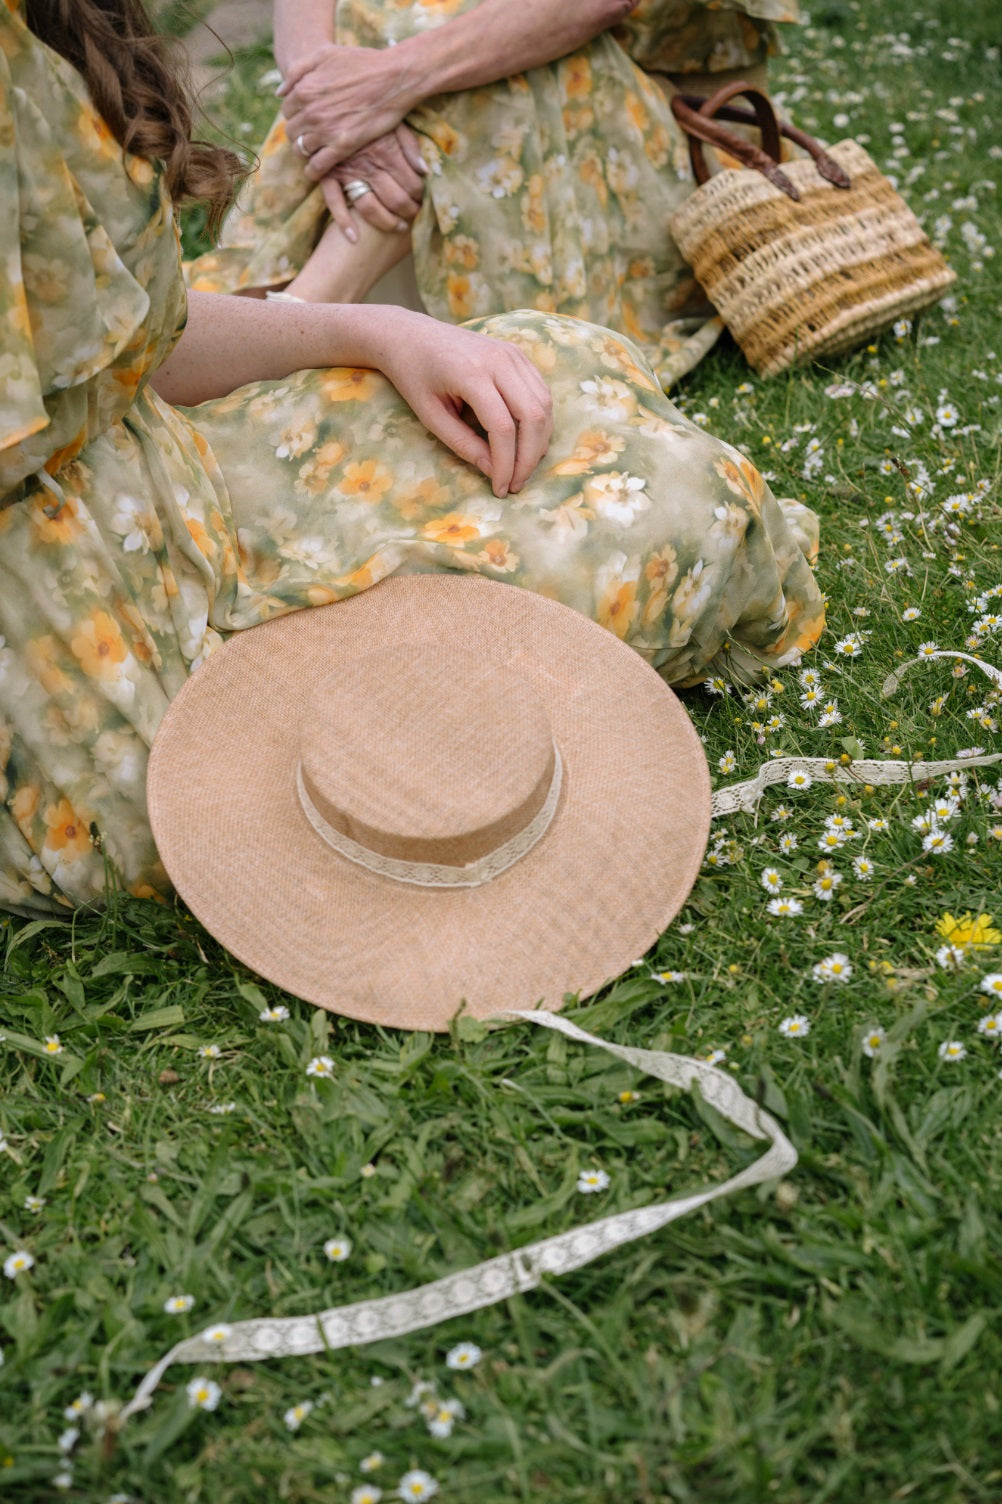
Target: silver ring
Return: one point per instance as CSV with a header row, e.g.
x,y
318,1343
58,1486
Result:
x,y
356,189
301,147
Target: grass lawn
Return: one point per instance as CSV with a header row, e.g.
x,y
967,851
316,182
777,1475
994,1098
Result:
x,y
836,1337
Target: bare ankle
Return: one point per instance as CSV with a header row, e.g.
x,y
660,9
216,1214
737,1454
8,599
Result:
x,y
340,272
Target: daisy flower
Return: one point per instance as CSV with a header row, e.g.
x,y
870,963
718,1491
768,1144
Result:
x,y
668,976
176,1305
878,823
873,1040
951,1049
992,984
337,1249
366,1493
788,841
52,1045
79,1406
950,957
836,968
795,1027
727,763
321,1066
276,1015
825,885
369,1464
463,1355
927,649
34,1203
209,1051
809,678
798,779
937,842
203,1394
850,646
771,880
295,1416
911,613
832,840
218,1333
17,1263
417,1485
446,1414
863,868
715,1057
590,1181
991,1025
786,908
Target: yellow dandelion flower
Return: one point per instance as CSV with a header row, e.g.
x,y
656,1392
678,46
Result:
x,y
965,929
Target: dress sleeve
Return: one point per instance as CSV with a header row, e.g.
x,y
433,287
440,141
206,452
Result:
x,y
69,307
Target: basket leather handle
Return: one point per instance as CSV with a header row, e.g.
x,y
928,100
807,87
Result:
x,y
697,117
826,164
700,126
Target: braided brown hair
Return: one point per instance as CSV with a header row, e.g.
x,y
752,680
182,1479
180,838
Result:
x,y
140,88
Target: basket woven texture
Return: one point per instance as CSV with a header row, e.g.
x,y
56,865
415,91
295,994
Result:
x,y
795,281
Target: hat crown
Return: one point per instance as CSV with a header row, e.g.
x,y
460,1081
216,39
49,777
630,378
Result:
x,y
426,753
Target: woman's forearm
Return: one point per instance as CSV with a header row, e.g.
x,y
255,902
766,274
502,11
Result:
x,y
230,341
440,371
300,28
501,37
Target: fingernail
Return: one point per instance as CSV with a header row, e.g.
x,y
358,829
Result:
x,y
421,165
401,225
484,467
350,233
281,90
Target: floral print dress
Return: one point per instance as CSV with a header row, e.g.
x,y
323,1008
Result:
x,y
549,190
135,536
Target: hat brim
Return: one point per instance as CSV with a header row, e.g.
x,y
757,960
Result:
x,y
591,897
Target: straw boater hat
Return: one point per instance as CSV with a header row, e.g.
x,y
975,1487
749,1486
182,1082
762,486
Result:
x,y
445,792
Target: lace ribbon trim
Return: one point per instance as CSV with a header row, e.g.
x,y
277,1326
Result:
x,y
512,1273
744,796
437,874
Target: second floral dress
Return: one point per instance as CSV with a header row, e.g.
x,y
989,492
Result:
x,y
549,190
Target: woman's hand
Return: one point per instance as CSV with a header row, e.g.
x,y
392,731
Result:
x,y
339,99
394,169
459,382
461,385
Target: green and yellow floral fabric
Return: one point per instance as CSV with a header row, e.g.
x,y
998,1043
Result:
x,y
549,190
135,536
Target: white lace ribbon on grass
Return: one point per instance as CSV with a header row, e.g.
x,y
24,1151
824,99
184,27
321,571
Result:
x,y
743,797
510,1273
524,1269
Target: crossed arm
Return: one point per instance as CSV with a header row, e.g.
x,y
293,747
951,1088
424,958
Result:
x,y
347,104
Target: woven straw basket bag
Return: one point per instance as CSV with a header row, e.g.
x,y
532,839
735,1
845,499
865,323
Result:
x,y
807,260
